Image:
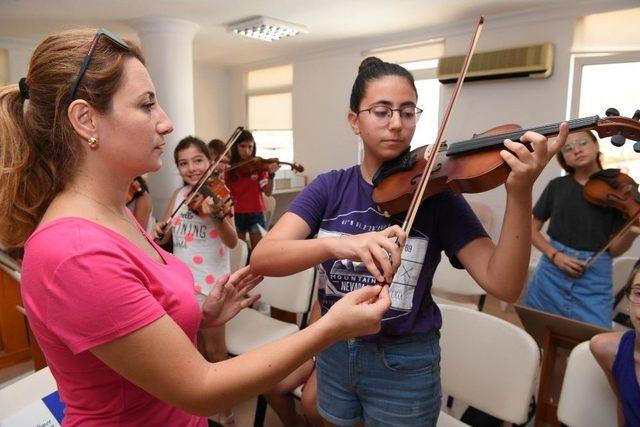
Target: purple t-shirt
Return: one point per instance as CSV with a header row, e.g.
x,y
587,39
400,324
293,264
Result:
x,y
340,203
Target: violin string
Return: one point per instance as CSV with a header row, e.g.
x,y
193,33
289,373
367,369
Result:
x,y
491,141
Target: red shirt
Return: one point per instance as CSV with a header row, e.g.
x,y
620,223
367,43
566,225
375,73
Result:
x,y
246,191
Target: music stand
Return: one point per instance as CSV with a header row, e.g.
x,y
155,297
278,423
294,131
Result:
x,y
551,332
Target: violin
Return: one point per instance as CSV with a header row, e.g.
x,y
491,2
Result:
x,y
205,178
257,164
475,165
219,193
136,189
612,188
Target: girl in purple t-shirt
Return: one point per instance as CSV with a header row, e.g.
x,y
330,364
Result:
x,y
392,378
618,353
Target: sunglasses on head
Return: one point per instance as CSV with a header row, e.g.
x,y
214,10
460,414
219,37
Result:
x,y
85,63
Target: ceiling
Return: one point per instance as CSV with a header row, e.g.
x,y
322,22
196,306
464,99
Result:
x,y
330,22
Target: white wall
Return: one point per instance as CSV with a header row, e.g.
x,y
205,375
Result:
x,y
321,90
211,99
527,102
322,84
20,51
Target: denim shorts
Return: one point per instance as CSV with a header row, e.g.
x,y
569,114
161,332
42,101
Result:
x,y
381,384
248,222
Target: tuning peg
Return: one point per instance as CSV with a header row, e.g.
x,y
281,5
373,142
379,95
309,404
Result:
x,y
636,115
612,112
618,140
636,147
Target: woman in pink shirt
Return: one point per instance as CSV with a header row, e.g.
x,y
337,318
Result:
x,y
114,314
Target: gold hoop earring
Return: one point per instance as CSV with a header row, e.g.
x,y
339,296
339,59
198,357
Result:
x,y
93,142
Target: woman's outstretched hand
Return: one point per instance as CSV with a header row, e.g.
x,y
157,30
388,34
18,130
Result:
x,y
229,296
359,312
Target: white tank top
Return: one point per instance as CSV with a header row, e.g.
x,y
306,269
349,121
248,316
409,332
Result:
x,y
196,241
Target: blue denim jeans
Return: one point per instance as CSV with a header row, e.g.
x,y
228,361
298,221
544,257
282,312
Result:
x,y
381,384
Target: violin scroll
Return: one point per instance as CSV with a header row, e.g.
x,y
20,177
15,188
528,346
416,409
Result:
x,y
619,128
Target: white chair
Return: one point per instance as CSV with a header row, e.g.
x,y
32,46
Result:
x,y
484,213
25,391
455,286
270,203
251,329
620,273
586,398
239,255
487,363
621,269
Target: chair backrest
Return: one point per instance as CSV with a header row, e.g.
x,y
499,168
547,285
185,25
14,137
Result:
x,y
621,269
270,204
484,213
239,255
488,363
290,293
456,281
586,398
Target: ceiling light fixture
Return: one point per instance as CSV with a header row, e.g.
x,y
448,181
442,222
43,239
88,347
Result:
x,y
266,29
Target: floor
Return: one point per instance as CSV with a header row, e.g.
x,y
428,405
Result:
x,y
245,411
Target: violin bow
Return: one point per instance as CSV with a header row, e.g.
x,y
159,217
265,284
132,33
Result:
x,y
433,151
631,221
232,140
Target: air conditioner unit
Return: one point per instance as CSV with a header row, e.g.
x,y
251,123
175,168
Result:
x,y
527,61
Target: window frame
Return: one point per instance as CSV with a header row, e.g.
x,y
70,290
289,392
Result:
x,y
275,90
579,61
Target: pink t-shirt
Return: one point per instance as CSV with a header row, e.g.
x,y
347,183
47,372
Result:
x,y
84,285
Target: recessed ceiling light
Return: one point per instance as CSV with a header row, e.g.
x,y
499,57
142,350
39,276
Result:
x,y
266,29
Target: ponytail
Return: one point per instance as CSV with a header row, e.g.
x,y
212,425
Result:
x,y
19,208
39,149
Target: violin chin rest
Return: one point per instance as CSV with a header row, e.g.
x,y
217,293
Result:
x,y
403,162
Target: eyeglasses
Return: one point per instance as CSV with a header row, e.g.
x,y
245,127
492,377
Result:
x,y
570,146
633,293
382,114
85,64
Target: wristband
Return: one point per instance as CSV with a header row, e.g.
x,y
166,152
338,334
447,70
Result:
x,y
554,255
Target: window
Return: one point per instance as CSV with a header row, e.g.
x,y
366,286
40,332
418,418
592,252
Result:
x,y
428,88
269,111
607,81
606,66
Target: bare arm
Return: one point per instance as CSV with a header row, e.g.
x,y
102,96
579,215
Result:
x,y
604,348
268,188
228,233
570,265
142,212
538,240
183,378
285,249
158,229
502,269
